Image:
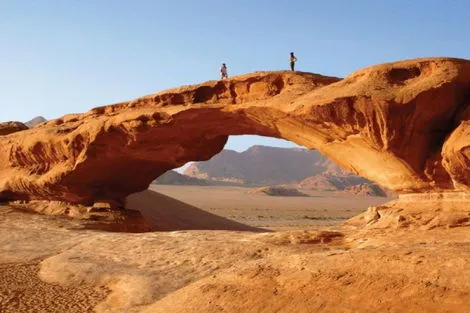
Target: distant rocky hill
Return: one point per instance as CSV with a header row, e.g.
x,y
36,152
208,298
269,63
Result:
x,y
291,167
35,121
278,191
331,181
344,182
175,178
262,165
366,189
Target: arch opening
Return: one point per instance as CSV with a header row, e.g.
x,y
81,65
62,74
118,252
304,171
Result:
x,y
271,184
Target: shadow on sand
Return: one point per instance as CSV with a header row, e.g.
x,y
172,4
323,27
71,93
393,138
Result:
x,y
164,213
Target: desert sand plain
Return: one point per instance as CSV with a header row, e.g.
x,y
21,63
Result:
x,y
275,254
321,208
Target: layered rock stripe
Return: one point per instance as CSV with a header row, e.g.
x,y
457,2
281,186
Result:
x,y
405,125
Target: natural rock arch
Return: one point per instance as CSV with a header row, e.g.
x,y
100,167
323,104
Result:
x,y
404,125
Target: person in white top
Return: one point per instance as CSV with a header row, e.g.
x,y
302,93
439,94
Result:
x,y
293,59
223,71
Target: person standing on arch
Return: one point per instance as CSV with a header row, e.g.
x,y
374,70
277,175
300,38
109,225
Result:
x,y
223,71
293,59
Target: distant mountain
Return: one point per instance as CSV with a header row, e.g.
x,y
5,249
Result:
x,y
290,167
277,191
262,165
332,181
35,121
175,178
345,183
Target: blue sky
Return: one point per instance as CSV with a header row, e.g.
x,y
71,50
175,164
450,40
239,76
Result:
x,y
67,56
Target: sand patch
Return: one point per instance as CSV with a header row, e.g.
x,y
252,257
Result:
x,y
22,291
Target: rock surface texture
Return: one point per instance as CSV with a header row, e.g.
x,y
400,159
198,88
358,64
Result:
x,y
404,125
11,127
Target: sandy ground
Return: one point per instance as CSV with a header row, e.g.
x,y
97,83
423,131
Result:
x,y
278,213
21,290
54,264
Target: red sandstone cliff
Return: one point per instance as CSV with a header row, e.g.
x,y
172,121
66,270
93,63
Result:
x,y
404,125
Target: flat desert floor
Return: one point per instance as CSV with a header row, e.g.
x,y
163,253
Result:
x,y
272,212
220,250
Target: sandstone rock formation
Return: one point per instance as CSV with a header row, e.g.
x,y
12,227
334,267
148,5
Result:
x,y
421,211
331,181
277,191
403,125
175,178
344,183
365,190
456,155
11,127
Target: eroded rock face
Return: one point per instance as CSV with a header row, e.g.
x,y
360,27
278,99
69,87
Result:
x,y
456,156
11,127
399,124
277,191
